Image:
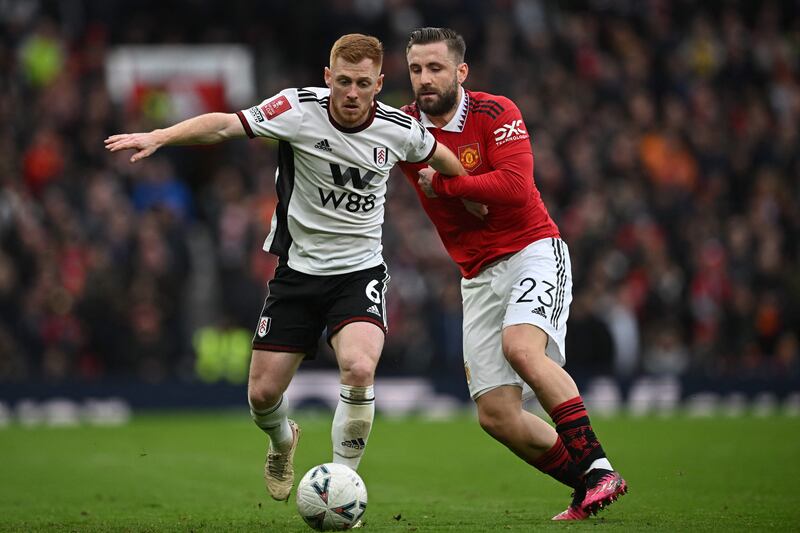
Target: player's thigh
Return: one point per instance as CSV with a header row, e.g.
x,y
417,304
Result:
x,y
539,288
292,318
358,347
484,363
270,374
524,341
358,298
356,318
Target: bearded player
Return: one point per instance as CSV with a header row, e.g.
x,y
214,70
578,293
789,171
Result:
x,y
517,281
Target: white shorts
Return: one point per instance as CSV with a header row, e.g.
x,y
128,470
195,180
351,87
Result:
x,y
533,286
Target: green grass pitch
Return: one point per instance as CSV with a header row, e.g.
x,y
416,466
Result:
x,y
202,472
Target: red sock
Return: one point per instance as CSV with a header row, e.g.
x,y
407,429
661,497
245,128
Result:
x,y
572,425
557,463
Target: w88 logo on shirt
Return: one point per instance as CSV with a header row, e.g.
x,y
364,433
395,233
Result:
x,y
355,202
352,202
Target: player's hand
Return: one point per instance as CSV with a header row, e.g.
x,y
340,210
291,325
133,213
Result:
x,y
425,181
144,144
474,208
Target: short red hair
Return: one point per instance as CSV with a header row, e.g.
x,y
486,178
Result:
x,y
355,47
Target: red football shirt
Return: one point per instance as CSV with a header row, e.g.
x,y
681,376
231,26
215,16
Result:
x,y
488,135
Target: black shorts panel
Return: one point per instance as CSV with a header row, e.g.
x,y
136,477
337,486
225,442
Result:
x,y
300,306
360,298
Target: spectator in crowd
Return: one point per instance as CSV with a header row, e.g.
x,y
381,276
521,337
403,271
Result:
x,y
666,143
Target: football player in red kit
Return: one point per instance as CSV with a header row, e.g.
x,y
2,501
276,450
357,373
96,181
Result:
x,y
517,282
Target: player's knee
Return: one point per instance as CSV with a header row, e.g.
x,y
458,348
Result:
x,y
518,355
495,427
525,360
495,423
359,371
263,394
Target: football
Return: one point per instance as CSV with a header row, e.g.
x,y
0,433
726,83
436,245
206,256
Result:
x,y
331,497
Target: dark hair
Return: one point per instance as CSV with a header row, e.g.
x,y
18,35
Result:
x,y
455,42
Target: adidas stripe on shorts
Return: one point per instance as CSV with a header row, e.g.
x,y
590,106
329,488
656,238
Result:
x,y
533,286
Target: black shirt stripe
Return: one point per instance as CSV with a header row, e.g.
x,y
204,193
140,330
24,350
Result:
x,y
406,125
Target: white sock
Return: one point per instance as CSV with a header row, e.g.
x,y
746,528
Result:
x,y
275,424
603,463
352,423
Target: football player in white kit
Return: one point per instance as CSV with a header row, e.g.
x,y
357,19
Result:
x,y
337,146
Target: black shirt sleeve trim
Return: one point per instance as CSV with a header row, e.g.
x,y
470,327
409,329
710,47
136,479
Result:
x,y
430,154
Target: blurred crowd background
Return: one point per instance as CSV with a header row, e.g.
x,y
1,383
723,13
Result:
x,y
665,136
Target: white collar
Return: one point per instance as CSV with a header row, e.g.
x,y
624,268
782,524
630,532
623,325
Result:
x,y
456,124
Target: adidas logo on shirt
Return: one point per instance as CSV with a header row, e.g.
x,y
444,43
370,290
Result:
x,y
357,444
324,145
374,310
539,311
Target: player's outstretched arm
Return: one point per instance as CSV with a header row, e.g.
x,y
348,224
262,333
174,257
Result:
x,y
445,161
510,183
203,129
425,183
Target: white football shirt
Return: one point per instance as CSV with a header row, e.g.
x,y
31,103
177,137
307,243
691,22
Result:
x,y
331,180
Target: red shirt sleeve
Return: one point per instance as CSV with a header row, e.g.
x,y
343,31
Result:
x,y
508,149
511,183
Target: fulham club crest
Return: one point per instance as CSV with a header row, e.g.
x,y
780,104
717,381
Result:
x,y
380,154
263,326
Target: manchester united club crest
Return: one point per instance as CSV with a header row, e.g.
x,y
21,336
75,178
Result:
x,y
470,156
380,154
